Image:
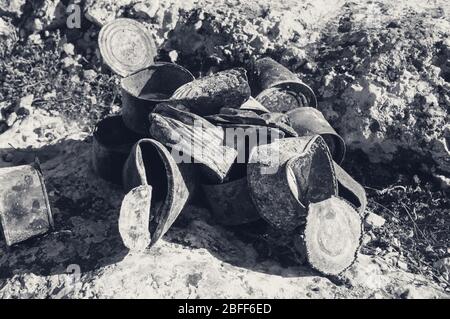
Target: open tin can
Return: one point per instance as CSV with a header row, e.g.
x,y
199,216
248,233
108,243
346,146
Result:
x,y
112,144
24,207
310,121
128,49
281,90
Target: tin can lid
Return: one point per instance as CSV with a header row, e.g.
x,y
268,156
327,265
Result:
x,y
126,47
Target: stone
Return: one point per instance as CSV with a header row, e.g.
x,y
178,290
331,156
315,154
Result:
x,y
69,49
374,221
12,118
12,7
146,10
89,75
443,264
24,106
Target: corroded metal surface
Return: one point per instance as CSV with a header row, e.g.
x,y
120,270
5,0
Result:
x,y
282,178
193,139
142,91
24,208
172,184
310,121
111,145
231,203
126,46
332,235
207,95
280,89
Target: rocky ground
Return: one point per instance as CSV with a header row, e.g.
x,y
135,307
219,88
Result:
x,y
381,70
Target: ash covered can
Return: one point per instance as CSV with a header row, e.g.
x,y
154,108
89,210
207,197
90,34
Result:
x,y
281,90
24,208
128,49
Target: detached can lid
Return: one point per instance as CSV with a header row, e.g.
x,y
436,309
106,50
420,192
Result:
x,y
126,47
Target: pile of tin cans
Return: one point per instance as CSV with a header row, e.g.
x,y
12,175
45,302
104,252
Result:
x,y
172,141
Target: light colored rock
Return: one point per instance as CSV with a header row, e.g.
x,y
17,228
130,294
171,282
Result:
x,y
89,75
12,118
374,221
443,265
69,49
13,7
146,9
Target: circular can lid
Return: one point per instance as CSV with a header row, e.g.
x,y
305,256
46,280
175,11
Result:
x,y
126,47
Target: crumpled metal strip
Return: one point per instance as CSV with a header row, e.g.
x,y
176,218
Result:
x,y
150,173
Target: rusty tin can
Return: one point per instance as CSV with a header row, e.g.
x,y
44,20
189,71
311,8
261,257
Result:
x,y
157,190
280,89
287,175
142,91
128,49
193,139
24,207
310,121
230,201
207,95
111,146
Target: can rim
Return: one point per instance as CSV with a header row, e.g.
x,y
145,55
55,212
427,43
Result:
x,y
122,62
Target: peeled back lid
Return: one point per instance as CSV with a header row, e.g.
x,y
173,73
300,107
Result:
x,y
126,46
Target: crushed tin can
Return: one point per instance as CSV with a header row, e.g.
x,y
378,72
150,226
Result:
x,y
350,190
194,139
280,89
207,95
112,143
287,175
157,190
24,207
128,50
310,121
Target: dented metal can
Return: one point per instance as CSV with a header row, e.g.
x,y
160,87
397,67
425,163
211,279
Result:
x,y
24,207
112,142
280,89
310,121
287,175
143,90
157,190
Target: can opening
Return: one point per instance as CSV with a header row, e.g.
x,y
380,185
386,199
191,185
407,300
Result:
x,y
156,83
113,133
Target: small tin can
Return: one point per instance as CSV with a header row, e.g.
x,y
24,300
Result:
x,y
280,89
310,121
128,49
24,207
111,145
